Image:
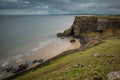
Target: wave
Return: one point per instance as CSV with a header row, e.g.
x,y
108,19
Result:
x,y
16,59
20,57
42,45
5,64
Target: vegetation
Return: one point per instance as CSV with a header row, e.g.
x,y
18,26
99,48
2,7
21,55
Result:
x,y
106,33
67,32
62,68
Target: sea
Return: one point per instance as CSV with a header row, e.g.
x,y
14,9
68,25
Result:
x,y
30,34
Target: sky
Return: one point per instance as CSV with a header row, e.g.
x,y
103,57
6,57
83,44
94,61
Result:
x,y
47,7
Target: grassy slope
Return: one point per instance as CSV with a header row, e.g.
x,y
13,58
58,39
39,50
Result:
x,y
61,69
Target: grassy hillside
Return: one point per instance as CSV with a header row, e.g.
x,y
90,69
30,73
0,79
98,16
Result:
x,y
92,65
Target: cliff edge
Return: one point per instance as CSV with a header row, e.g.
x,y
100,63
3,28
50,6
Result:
x,y
94,26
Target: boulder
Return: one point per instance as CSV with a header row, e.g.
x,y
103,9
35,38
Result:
x,y
110,62
40,61
96,55
62,38
110,55
66,33
78,66
34,61
60,34
113,75
72,40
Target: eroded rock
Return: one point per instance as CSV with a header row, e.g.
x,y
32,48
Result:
x,y
72,40
110,55
113,75
60,35
78,66
96,55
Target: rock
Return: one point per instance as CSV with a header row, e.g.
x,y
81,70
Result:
x,y
110,55
62,38
20,68
96,55
9,68
85,25
34,61
98,78
14,70
40,61
84,40
89,65
60,34
72,40
113,75
109,62
78,66
66,69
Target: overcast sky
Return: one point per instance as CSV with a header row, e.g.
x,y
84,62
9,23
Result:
x,y
42,7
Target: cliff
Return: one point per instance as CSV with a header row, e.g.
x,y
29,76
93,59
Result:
x,y
94,26
90,62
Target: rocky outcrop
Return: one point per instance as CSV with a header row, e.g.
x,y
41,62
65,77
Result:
x,y
72,40
114,75
67,32
83,23
86,25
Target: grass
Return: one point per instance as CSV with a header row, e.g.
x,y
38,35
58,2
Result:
x,y
62,68
115,32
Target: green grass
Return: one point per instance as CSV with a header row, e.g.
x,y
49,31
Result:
x,y
62,68
107,33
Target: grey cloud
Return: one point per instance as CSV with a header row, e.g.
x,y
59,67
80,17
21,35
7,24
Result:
x,y
61,6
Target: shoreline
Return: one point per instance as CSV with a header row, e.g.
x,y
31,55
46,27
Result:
x,y
73,48
40,65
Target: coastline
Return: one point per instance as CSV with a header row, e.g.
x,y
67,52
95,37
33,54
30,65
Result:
x,y
73,48
69,51
86,43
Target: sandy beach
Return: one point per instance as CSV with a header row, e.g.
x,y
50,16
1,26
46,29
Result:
x,y
60,49
44,51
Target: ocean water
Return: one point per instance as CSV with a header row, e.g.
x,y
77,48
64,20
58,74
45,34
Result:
x,y
18,34
30,37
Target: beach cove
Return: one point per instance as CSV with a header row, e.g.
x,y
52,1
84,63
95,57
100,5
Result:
x,y
55,50
21,48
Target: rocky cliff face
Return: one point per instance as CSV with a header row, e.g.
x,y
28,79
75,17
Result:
x,y
82,24
94,26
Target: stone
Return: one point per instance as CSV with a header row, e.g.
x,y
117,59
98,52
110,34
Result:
x,y
62,38
72,40
34,61
110,55
78,66
109,62
113,75
8,68
40,61
60,34
96,55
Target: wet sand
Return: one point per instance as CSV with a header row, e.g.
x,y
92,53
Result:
x,y
56,51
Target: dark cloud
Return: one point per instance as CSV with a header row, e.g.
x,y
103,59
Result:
x,y
60,6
